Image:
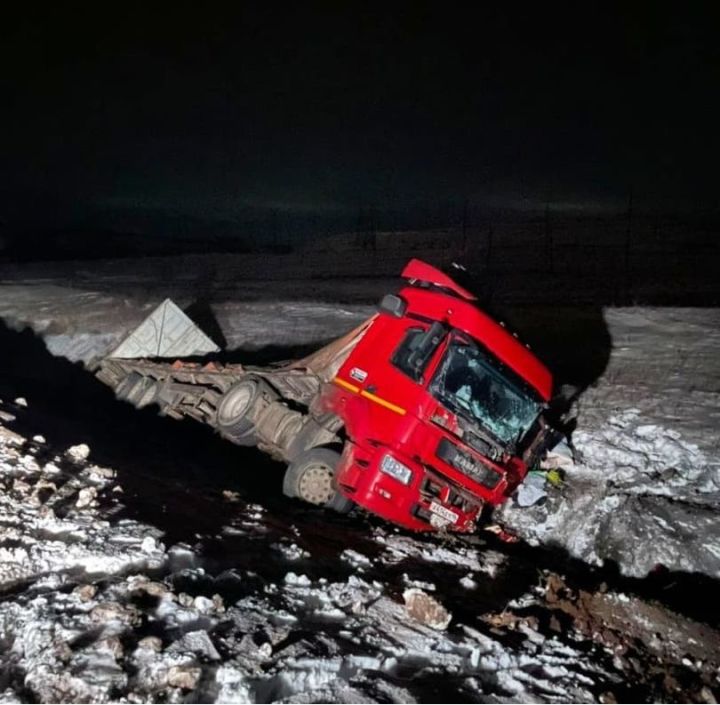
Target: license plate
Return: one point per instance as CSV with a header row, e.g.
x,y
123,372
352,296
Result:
x,y
444,513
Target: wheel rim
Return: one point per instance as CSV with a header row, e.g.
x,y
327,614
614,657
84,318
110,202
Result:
x,y
316,484
236,404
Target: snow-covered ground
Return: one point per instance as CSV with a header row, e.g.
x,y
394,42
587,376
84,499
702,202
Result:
x,y
102,601
645,490
79,324
98,607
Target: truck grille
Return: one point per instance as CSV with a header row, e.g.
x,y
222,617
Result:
x,y
479,441
433,487
482,446
466,464
430,488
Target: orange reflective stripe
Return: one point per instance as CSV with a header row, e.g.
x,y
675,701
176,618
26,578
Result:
x,y
383,402
369,395
347,385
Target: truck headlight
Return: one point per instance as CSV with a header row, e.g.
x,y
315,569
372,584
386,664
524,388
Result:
x,y
396,469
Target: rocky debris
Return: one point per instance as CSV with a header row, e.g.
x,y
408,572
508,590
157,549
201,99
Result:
x,y
6,416
620,621
203,604
218,603
112,611
51,469
291,551
21,401
158,671
426,609
185,600
707,696
151,643
509,620
67,642
468,581
79,453
197,642
98,474
85,592
20,487
149,545
184,677
54,513
356,559
142,584
86,497
113,645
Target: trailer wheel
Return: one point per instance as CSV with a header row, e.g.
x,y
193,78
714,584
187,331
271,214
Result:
x,y
126,385
234,409
137,389
311,478
144,393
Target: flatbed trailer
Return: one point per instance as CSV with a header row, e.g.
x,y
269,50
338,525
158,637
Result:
x,y
196,389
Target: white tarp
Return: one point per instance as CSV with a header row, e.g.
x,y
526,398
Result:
x,y
166,332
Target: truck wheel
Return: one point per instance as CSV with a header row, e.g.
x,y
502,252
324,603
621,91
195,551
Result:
x,y
233,410
310,477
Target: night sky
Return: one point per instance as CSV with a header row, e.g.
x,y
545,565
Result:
x,y
330,108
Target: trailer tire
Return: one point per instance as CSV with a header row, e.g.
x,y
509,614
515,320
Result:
x,y
310,477
144,393
126,385
137,389
233,411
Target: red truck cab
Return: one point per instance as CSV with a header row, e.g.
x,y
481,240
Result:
x,y
442,407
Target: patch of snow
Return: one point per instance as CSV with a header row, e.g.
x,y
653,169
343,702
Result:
x,y
638,499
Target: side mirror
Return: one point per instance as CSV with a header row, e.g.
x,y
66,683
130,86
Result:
x,y
393,305
565,395
561,407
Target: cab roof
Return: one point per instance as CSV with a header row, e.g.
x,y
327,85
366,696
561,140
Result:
x,y
434,295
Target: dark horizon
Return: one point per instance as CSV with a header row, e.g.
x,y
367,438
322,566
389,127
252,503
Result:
x,y
226,116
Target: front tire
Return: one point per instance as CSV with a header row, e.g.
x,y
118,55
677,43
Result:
x,y
311,478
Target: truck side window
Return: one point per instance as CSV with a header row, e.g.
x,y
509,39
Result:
x,y
417,348
403,356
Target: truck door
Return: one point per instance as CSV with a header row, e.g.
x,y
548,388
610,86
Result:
x,y
385,378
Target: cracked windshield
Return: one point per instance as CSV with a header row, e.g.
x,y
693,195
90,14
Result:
x,y
468,382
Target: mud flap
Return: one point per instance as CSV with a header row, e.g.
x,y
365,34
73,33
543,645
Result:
x,y
166,332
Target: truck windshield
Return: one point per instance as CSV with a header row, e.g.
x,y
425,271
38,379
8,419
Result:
x,y
474,384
